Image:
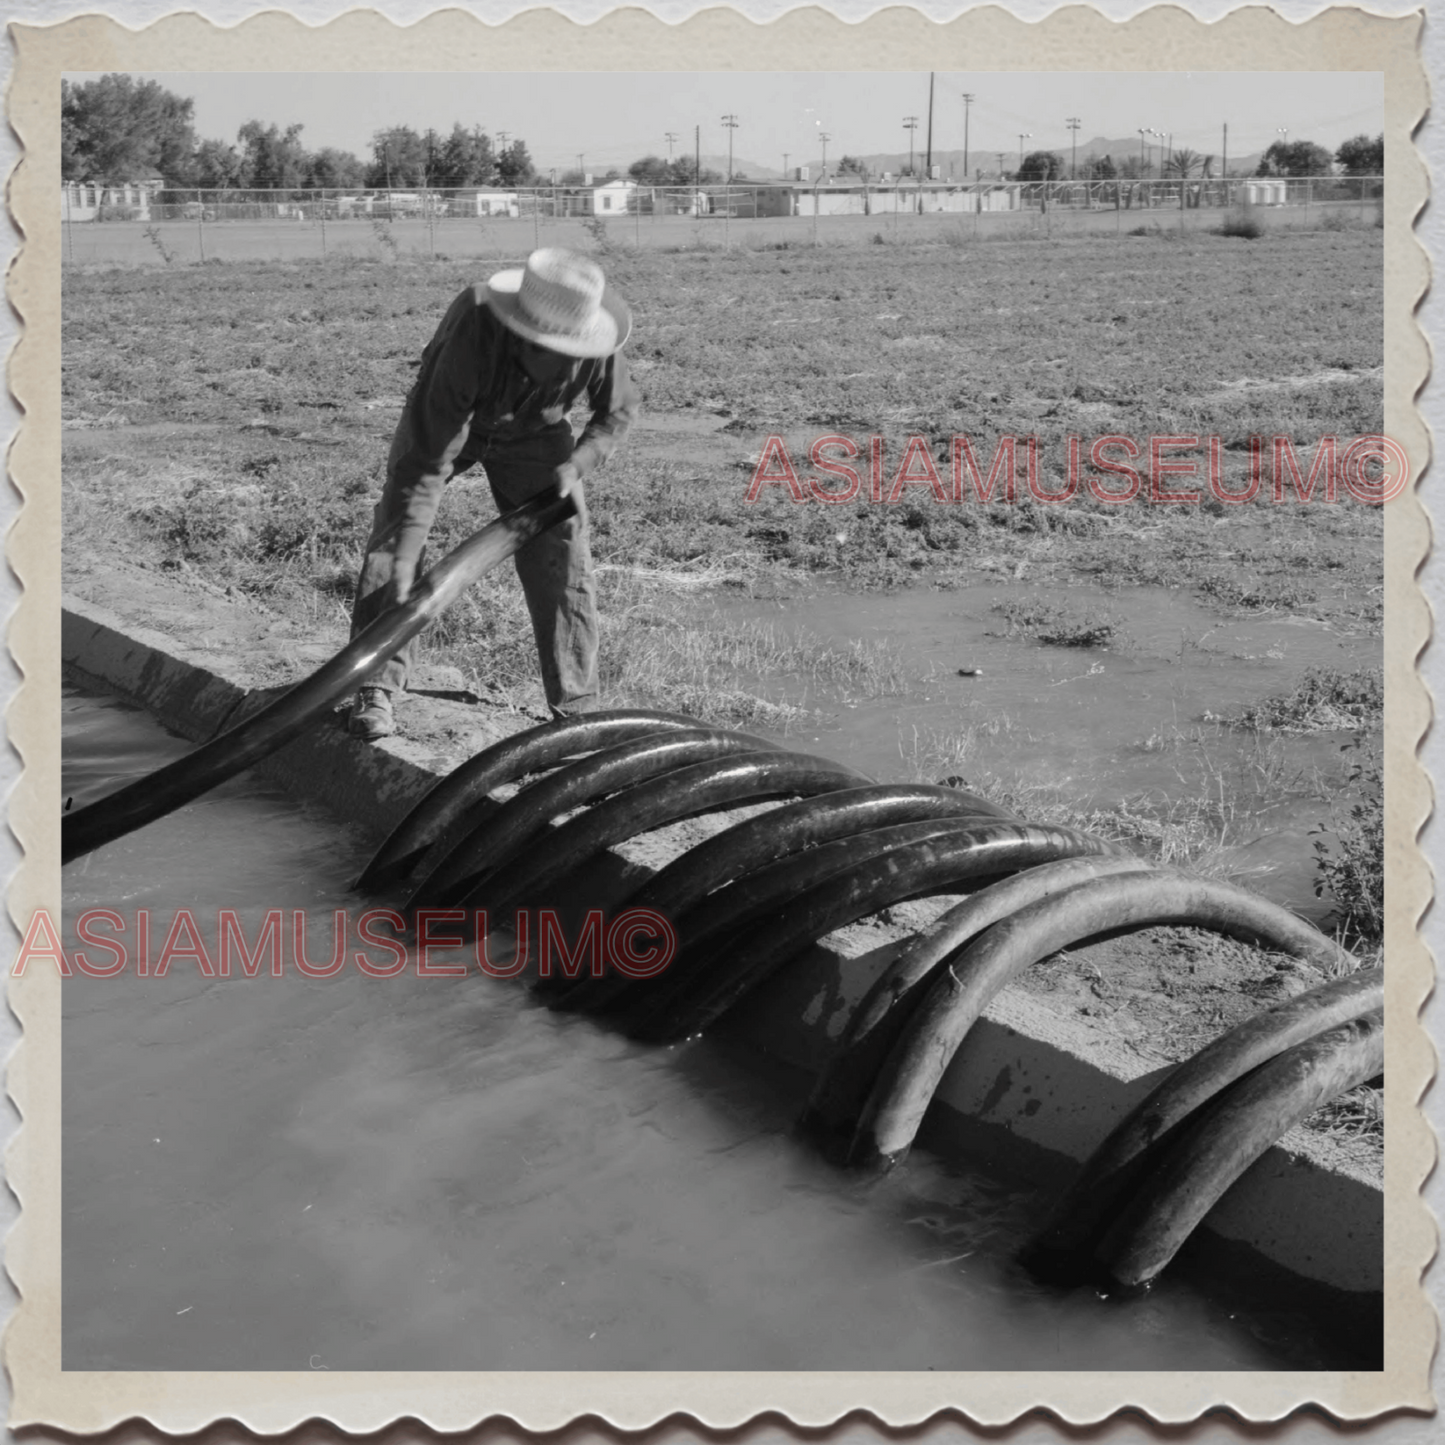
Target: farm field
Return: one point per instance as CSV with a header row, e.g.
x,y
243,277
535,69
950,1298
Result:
x,y
226,427
138,243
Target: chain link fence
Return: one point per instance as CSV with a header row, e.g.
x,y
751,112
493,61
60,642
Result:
x,y
135,225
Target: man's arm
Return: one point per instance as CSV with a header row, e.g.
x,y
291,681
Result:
x,y
615,402
454,368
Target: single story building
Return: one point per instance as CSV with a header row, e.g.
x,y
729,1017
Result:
x,y
81,201
484,201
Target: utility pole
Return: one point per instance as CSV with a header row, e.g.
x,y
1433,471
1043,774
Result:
x,y
910,124
581,168
1023,136
1226,150
697,155
785,165
999,154
825,138
670,136
928,161
1073,123
731,122
967,101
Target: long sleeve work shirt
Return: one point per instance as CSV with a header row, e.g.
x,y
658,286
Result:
x,y
472,392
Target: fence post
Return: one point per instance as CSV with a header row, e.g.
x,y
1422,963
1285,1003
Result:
x,y
637,217
321,216
201,223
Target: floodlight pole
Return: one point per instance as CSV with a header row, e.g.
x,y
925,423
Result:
x,y
967,101
1073,123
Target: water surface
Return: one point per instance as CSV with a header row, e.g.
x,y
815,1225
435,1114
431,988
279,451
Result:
x,y
365,1174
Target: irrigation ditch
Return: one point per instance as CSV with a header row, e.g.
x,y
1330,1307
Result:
x,y
1030,1090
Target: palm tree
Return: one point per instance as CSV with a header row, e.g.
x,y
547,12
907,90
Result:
x,y
1182,163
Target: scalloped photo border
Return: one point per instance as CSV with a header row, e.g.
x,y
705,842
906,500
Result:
x,y
1077,38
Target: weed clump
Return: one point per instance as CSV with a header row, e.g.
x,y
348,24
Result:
x,y
1243,222
1323,700
382,231
1350,870
153,235
596,228
1253,597
1056,625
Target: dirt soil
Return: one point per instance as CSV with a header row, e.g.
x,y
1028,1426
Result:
x,y
1162,992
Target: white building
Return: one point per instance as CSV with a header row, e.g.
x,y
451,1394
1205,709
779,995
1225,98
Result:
x,y
483,201
81,202
614,199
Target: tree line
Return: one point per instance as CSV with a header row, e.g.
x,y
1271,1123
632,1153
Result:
x,y
118,129
1358,156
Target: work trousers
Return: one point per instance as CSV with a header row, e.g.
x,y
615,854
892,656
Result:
x,y
555,568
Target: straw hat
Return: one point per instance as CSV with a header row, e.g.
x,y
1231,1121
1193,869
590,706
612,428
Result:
x,y
561,301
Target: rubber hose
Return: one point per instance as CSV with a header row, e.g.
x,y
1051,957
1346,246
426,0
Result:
x,y
723,782
528,814
161,792
874,1026
514,757
1131,1151
916,1064
1234,1131
931,866
705,932
759,842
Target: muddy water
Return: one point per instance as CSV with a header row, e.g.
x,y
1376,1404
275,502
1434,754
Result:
x,y
1131,725
354,1173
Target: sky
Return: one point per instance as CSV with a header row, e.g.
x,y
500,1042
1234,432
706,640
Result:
x,y
612,119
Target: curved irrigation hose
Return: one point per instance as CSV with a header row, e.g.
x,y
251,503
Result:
x,y
720,783
1135,1146
757,842
161,792
706,927
874,1026
716,981
526,816
445,805
916,1064
1131,1151
1234,1131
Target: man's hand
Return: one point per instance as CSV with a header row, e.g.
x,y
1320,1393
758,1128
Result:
x,y
568,481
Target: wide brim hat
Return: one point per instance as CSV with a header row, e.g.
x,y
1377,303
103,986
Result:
x,y
561,301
